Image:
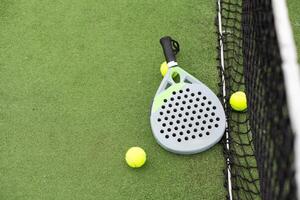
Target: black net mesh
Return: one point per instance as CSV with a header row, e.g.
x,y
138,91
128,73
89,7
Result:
x,y
260,154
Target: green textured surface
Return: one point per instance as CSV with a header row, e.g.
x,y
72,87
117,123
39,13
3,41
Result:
x,y
294,7
77,81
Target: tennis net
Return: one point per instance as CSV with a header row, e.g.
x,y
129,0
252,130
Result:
x,y
257,56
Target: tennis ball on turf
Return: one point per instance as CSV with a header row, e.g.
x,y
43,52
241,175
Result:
x,y
238,101
164,69
135,157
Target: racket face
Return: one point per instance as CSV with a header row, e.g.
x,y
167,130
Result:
x,y
186,116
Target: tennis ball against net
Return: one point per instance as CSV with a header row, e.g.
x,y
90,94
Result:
x,y
238,101
135,157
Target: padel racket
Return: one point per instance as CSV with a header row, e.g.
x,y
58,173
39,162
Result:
x,y
186,116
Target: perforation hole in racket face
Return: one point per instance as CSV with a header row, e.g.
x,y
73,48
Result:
x,y
188,115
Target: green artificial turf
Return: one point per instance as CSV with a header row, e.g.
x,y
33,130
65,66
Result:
x,y
294,7
76,83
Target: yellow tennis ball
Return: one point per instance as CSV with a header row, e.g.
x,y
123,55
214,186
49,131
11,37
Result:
x,y
164,68
135,157
238,101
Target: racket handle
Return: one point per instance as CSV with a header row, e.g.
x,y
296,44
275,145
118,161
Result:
x,y
166,43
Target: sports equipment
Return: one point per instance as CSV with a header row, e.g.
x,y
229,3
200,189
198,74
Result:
x,y
135,157
257,55
163,68
238,101
186,116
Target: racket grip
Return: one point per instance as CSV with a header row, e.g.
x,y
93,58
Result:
x,y
166,44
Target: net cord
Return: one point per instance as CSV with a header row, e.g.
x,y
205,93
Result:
x,y
291,74
224,93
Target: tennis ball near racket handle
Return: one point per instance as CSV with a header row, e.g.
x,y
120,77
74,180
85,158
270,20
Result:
x,y
238,101
164,69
